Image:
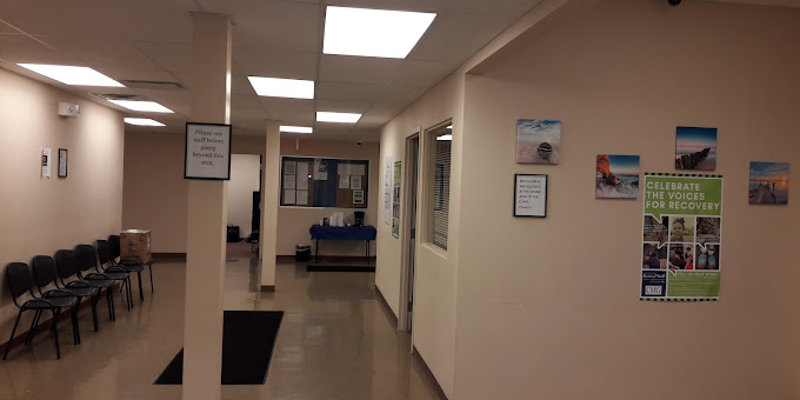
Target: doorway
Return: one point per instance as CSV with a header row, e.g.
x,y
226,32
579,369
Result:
x,y
245,180
409,233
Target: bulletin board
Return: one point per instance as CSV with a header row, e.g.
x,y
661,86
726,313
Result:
x,y
324,182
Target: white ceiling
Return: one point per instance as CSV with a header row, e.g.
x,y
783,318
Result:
x,y
151,40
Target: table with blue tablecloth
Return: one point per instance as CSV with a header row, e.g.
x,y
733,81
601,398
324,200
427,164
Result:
x,y
366,233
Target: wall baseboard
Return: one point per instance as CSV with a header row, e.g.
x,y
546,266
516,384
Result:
x,y
267,288
428,374
169,257
290,259
386,308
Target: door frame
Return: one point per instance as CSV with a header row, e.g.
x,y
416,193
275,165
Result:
x,y
409,217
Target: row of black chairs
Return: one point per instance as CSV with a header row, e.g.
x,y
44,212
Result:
x,y
64,280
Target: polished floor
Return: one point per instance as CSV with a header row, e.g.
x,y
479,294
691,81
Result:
x,y
336,342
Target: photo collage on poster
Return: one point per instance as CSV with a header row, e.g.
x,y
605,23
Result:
x,y
681,242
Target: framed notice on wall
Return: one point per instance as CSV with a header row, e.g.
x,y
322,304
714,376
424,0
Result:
x,y
208,151
530,195
62,162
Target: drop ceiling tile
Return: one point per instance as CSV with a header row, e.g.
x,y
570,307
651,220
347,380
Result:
x,y
240,85
4,28
145,20
278,104
174,57
259,61
297,118
423,73
343,106
399,95
126,73
275,25
448,42
400,5
60,18
16,48
244,113
495,7
355,92
245,100
379,115
358,69
97,51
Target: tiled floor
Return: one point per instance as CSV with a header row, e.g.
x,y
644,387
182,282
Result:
x,y
335,342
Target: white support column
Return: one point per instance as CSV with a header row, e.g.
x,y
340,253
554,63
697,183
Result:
x,y
205,255
270,201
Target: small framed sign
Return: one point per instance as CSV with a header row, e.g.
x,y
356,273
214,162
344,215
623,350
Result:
x,y
530,195
208,151
62,162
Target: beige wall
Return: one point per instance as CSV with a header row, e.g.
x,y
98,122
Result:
x,y
434,324
548,308
154,195
155,191
40,216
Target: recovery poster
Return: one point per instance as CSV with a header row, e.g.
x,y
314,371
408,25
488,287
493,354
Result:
x,y
682,239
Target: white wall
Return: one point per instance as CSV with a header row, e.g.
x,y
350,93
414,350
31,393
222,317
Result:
x,y
244,181
40,216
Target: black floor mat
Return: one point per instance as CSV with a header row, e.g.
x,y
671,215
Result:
x,y
248,338
340,268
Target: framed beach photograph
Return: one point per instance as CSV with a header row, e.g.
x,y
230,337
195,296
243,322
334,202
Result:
x,y
617,177
769,183
696,148
538,141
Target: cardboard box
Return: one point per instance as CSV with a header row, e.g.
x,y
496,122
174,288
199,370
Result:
x,y
135,245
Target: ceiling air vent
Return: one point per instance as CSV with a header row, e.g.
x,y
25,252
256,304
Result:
x,y
118,96
143,84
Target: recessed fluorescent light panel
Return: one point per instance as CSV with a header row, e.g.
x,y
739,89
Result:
x,y
279,87
69,75
373,33
142,122
345,118
445,137
145,106
296,129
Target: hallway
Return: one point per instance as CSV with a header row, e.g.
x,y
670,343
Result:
x,y
335,342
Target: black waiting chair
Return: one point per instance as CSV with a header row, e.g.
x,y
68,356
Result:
x,y
20,281
67,266
88,269
114,242
45,274
104,255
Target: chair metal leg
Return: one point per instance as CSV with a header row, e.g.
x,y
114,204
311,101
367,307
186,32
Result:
x,y
76,333
139,275
94,309
13,331
110,301
130,291
56,314
34,325
150,267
